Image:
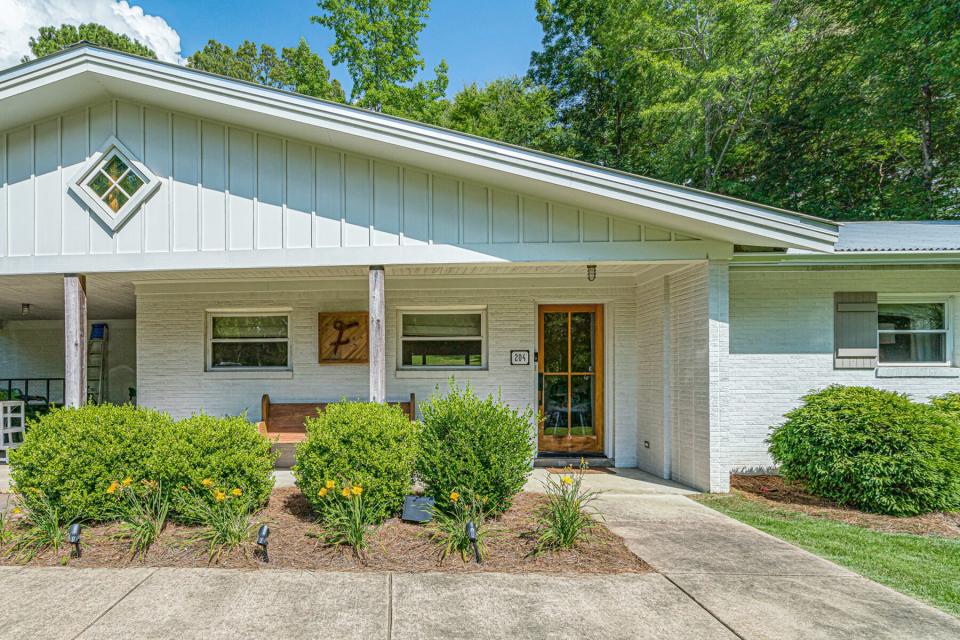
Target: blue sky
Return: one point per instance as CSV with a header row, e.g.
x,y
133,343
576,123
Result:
x,y
480,40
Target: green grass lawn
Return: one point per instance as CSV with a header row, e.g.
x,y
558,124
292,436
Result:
x,y
925,567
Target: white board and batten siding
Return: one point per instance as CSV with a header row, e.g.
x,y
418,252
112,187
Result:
x,y
227,190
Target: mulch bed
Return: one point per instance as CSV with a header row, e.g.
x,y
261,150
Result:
x,y
395,546
775,491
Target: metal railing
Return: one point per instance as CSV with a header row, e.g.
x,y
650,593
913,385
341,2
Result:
x,y
33,391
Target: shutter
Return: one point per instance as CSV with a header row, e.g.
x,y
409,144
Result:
x,y
855,330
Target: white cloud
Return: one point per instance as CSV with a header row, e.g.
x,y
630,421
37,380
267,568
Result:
x,y
21,19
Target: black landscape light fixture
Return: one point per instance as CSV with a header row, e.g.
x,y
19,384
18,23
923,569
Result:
x,y
591,272
472,537
73,537
262,534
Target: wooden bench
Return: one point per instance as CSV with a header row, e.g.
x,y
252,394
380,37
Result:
x,y
285,423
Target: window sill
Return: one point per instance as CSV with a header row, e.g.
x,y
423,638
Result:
x,y
435,374
250,375
918,371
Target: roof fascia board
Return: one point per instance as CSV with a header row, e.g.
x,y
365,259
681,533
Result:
x,y
783,226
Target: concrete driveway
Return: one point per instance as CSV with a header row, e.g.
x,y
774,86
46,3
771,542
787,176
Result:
x,y
716,579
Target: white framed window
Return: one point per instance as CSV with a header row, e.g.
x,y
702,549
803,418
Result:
x,y
113,183
914,330
442,338
248,341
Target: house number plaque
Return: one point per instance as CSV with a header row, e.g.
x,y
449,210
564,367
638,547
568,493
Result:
x,y
519,357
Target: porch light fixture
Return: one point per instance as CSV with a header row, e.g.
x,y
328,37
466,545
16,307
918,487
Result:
x,y
262,534
113,183
472,537
73,537
591,272
25,309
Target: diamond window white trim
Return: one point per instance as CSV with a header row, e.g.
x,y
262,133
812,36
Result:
x,y
120,189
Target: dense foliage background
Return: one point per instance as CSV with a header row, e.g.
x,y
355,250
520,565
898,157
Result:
x,y
847,109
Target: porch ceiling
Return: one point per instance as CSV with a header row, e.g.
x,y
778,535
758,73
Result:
x,y
109,296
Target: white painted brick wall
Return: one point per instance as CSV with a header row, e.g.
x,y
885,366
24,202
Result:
x,y
651,318
171,348
781,345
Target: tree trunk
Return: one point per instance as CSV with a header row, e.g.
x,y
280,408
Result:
x,y
926,138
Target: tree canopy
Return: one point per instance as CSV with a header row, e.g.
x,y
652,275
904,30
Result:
x,y
296,69
847,109
53,39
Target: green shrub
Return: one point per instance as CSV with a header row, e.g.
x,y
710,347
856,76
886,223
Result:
x,y
480,447
948,403
872,449
73,455
226,452
368,444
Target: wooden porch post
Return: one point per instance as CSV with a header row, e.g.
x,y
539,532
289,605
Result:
x,y
377,341
75,337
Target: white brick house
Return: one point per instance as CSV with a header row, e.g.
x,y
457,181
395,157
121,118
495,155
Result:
x,y
218,228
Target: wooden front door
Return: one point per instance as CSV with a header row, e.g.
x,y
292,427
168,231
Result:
x,y
570,388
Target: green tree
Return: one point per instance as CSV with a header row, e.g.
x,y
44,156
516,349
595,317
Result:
x,y
866,122
513,110
378,41
666,89
296,69
53,39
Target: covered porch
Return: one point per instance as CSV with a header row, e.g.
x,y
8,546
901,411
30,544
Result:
x,y
572,341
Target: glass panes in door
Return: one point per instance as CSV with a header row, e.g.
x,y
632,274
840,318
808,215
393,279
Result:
x,y
570,378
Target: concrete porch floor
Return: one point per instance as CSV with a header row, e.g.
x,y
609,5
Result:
x,y
716,578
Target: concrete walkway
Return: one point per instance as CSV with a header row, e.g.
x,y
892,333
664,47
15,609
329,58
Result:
x,y
718,579
756,585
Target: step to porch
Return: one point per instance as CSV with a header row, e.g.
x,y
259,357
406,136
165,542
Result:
x,y
546,460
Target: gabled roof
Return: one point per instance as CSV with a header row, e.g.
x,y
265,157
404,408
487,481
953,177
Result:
x,y
930,235
83,73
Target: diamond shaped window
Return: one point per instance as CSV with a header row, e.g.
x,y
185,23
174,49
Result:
x,y
113,184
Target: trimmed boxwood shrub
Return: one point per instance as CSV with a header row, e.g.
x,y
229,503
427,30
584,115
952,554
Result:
x,y
73,455
228,451
480,447
369,444
872,449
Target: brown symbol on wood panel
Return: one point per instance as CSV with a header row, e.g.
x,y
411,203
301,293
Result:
x,y
343,337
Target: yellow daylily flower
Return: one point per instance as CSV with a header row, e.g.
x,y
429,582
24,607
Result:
x,y
113,487
219,495
236,493
330,484
207,482
345,492
323,491
17,511
357,490
566,480
454,496
127,481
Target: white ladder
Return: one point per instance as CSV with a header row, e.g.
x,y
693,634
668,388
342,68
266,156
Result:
x,y
96,363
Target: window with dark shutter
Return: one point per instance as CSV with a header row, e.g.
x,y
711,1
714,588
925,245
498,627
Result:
x,y
855,330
